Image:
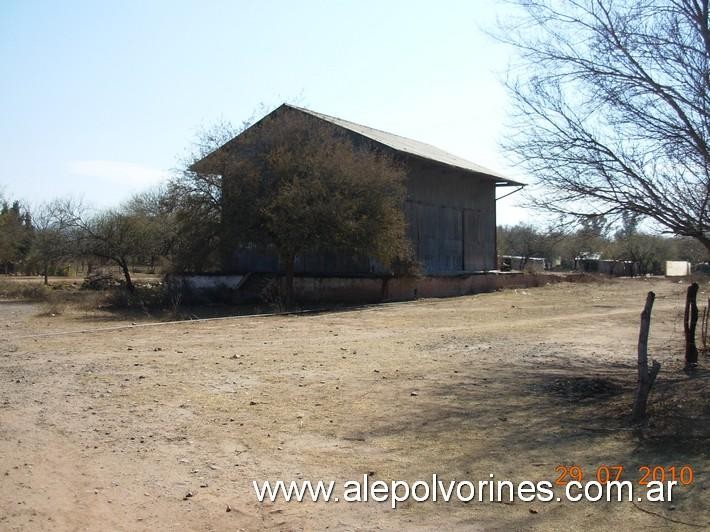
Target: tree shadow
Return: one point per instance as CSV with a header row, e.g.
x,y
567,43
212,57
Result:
x,y
553,412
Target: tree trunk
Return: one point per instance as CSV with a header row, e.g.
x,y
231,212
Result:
x,y
690,321
290,260
45,273
646,378
704,327
127,276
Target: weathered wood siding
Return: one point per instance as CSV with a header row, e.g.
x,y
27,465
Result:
x,y
451,223
451,219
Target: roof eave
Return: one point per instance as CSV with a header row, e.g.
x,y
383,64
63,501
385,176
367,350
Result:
x,y
501,181
510,183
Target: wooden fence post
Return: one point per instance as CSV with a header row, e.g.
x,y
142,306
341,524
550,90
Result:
x,y
689,323
646,378
704,327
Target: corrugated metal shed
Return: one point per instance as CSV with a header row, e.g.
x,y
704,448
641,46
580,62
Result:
x,y
449,207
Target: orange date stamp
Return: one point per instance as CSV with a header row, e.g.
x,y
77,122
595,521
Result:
x,y
683,475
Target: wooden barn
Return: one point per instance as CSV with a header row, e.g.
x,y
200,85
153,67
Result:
x,y
450,209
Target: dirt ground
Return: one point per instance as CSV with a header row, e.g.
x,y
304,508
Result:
x,y
109,429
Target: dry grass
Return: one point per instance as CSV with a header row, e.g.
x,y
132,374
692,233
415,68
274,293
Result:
x,y
66,296
512,383
23,290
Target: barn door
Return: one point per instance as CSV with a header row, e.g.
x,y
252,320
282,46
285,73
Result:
x,y
474,249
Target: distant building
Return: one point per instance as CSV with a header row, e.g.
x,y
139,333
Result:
x,y
678,268
450,208
509,263
593,263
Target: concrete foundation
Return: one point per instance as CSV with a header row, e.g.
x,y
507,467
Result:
x,y
255,287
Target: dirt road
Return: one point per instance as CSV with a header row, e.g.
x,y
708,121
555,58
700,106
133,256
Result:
x,y
165,427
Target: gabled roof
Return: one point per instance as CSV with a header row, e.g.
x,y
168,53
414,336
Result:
x,y
402,145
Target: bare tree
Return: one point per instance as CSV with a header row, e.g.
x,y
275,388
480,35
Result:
x,y
195,201
115,235
612,108
526,241
51,238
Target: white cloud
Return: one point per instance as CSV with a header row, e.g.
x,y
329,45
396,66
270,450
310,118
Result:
x,y
118,172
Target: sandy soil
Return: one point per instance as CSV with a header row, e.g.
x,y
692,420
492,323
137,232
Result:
x,y
110,429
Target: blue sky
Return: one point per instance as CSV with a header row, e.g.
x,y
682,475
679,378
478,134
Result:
x,y
100,100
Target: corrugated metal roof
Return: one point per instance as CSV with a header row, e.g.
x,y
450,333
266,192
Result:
x,y
410,146
396,142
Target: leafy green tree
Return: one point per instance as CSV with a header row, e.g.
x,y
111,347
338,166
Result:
x,y
152,212
195,203
589,238
685,248
15,235
298,186
648,250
